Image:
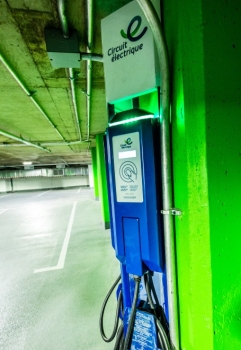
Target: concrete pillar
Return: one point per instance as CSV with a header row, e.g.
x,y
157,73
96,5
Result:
x,y
206,109
95,172
91,177
185,44
102,181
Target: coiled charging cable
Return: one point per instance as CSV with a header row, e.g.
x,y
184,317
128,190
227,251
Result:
x,y
101,320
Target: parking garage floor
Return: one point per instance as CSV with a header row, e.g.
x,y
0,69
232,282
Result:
x,y
56,266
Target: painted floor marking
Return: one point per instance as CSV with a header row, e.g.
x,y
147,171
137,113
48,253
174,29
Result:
x,y
4,196
42,193
64,249
3,211
79,190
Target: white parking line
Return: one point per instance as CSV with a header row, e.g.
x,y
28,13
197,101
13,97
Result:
x,y
42,193
64,249
3,211
79,190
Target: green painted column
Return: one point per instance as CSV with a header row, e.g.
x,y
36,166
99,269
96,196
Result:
x,y
222,47
205,54
183,28
102,181
95,172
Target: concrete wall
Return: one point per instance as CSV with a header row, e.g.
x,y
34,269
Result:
x,y
5,185
205,53
38,183
91,176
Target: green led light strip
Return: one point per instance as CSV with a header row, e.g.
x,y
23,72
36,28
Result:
x,y
149,116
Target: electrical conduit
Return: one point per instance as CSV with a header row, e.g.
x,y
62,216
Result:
x,y
25,142
65,32
89,62
170,251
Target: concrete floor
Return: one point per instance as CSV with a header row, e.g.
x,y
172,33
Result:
x,y
56,266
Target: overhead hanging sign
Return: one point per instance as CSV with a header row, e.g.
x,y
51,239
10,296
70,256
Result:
x,y
130,64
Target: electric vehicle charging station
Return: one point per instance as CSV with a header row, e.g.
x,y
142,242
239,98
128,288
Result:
x,y
133,186
132,150
133,159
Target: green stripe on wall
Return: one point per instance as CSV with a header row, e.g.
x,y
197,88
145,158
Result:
x,y
95,172
102,182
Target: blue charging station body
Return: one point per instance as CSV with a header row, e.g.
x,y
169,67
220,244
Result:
x,y
134,195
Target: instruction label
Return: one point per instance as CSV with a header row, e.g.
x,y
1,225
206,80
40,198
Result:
x,y
144,334
127,166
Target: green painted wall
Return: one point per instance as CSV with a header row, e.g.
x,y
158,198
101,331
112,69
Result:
x,y
102,181
205,56
95,172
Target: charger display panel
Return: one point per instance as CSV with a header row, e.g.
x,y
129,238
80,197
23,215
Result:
x,y
127,165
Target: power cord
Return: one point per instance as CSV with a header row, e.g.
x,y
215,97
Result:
x,y
158,313
101,320
124,343
131,323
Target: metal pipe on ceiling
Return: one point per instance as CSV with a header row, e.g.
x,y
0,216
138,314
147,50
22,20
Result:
x,y
89,62
52,144
63,18
91,56
45,115
73,94
166,169
29,94
14,75
71,143
65,30
26,142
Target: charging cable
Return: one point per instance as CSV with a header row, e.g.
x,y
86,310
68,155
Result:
x,y
101,320
131,323
162,327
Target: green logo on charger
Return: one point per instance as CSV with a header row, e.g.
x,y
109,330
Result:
x,y
128,141
130,34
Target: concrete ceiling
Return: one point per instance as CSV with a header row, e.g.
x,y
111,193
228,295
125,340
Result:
x,y
23,49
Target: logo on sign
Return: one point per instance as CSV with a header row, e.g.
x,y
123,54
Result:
x,y
131,34
127,143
